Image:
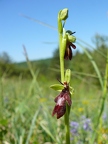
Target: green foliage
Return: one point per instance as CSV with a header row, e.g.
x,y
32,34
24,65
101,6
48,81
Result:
x,y
26,103
5,58
27,106
49,68
11,70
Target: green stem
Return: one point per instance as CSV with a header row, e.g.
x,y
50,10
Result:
x,y
66,116
61,59
62,47
67,127
62,70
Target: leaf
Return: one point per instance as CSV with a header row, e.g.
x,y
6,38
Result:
x,y
57,87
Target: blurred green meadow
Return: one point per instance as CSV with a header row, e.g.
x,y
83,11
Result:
x,y
27,101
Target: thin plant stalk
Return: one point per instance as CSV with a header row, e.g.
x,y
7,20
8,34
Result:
x,y
104,89
62,46
94,64
61,59
103,100
66,116
63,100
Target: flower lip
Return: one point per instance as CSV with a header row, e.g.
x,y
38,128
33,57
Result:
x,y
60,100
68,51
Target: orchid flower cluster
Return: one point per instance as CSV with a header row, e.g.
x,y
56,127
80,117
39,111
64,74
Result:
x,y
63,100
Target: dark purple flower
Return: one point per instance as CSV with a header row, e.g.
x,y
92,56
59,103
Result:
x,y
61,99
68,51
69,45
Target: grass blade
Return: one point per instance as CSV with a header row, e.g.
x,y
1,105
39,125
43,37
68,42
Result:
x,y
32,126
47,131
93,63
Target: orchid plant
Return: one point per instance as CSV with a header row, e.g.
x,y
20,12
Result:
x,y
63,100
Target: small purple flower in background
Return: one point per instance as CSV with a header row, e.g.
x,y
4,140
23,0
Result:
x,y
74,127
87,124
104,116
74,124
105,119
81,131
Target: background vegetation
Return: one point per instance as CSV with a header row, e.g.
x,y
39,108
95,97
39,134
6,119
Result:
x,y
26,101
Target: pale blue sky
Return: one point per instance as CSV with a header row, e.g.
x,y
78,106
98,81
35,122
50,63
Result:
x,y
86,17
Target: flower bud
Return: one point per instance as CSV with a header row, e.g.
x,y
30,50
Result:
x,y
63,14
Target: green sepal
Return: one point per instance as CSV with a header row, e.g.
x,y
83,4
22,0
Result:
x,y
71,90
67,75
71,38
57,87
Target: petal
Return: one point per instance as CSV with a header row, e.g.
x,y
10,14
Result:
x,y
61,101
68,53
56,108
59,110
63,97
58,97
67,98
73,46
